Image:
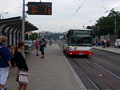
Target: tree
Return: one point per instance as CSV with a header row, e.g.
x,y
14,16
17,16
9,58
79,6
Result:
x,y
105,25
89,27
34,36
26,37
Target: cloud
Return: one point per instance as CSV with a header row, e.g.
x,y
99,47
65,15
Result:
x,y
10,6
115,4
63,11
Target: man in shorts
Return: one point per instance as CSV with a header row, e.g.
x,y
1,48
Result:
x,y
5,57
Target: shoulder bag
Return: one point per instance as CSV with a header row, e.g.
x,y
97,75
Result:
x,y
23,77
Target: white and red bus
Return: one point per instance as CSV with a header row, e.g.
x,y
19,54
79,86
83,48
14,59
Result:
x,y
78,42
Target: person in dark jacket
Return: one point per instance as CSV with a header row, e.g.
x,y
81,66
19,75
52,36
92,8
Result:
x,y
42,47
5,65
21,63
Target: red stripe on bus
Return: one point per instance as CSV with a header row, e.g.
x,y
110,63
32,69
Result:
x,y
80,52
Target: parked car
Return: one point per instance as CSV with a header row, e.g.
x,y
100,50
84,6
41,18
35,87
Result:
x,y
117,43
26,48
33,43
29,43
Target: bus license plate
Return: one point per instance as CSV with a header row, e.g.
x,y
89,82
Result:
x,y
81,53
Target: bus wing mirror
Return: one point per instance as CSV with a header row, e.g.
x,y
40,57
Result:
x,y
67,35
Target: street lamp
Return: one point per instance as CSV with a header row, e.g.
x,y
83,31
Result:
x,y
1,15
115,24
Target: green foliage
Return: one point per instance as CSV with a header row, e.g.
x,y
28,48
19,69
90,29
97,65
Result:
x,y
89,27
118,33
26,36
105,25
34,36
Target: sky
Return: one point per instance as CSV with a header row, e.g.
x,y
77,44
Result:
x,y
66,14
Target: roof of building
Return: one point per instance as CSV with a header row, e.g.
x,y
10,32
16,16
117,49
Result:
x,y
16,23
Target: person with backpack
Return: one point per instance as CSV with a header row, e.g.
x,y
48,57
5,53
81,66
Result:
x,y
5,63
42,47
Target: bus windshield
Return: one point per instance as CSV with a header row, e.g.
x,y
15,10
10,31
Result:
x,y
80,41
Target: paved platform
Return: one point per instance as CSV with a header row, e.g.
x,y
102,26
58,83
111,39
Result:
x,y
110,49
51,73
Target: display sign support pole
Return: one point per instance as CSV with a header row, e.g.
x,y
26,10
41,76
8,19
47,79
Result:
x,y
23,23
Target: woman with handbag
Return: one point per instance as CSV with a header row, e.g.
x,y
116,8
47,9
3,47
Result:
x,y
22,76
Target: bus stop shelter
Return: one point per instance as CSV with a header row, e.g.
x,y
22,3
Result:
x,y
12,28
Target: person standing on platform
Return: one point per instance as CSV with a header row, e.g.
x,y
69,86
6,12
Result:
x,y
42,47
5,63
108,43
21,64
103,43
50,42
37,47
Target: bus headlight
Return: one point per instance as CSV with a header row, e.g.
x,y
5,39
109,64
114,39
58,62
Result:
x,y
90,50
70,48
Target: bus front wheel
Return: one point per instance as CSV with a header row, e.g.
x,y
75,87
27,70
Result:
x,y
87,56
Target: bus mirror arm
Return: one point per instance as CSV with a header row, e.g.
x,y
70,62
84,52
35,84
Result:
x,y
92,44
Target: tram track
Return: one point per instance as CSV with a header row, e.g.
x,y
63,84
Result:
x,y
108,71
101,78
99,72
87,77
113,66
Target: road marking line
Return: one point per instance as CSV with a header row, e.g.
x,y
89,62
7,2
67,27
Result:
x,y
90,80
93,83
80,83
108,71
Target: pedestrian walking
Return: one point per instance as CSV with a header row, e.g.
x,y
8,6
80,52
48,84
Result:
x,y
99,43
108,43
50,42
42,47
96,42
22,76
37,47
103,44
5,63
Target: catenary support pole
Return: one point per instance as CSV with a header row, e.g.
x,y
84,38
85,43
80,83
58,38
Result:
x,y
23,23
115,25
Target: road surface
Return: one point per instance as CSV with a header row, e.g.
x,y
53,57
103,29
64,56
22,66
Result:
x,y
98,72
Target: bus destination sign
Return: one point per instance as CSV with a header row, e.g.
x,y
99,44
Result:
x,y
39,8
84,32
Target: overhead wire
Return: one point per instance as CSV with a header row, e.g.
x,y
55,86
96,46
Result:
x,y
106,11
81,5
76,11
